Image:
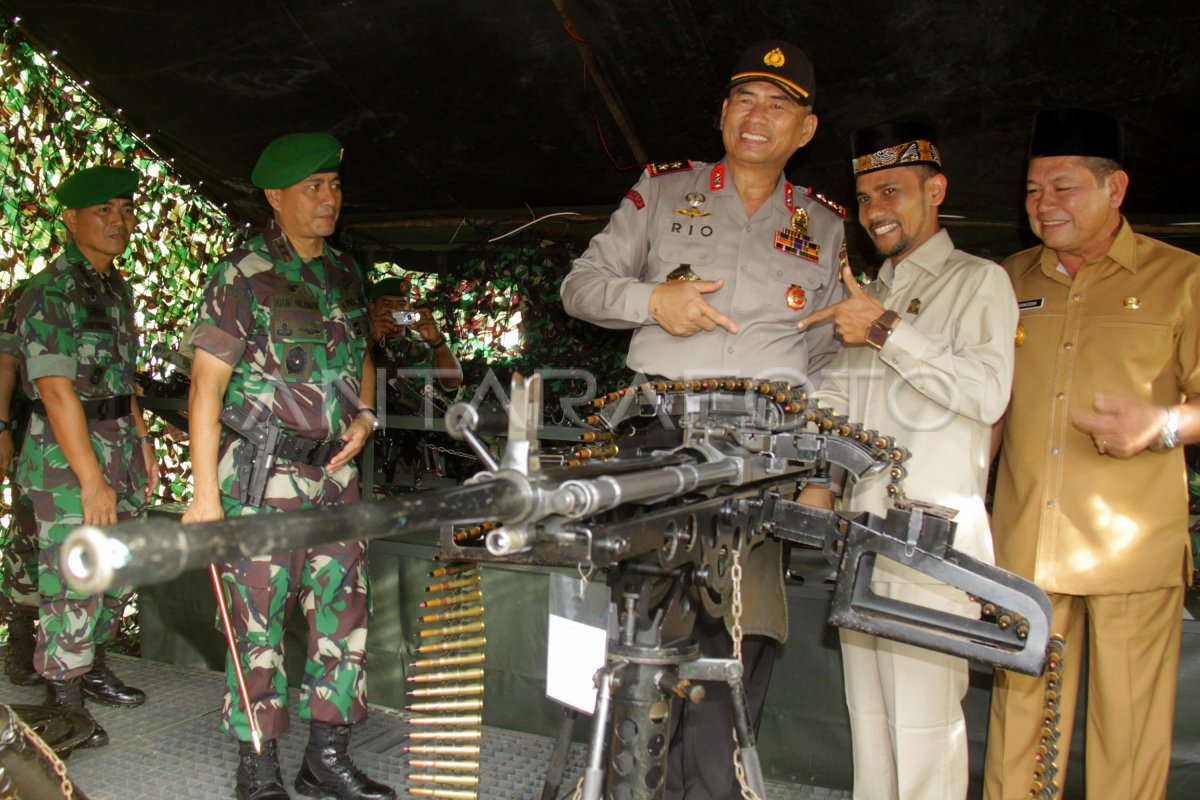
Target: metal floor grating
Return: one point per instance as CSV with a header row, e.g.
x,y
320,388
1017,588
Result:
x,y
171,747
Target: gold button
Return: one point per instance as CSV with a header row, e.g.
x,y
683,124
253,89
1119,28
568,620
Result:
x,y
1059,396
1132,302
1055,451
1068,346
1049,504
1077,298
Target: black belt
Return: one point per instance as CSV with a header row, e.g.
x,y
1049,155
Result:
x,y
100,408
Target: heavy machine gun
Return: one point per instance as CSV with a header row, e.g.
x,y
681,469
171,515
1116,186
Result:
x,y
674,486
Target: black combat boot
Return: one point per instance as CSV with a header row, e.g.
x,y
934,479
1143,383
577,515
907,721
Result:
x,y
258,776
18,653
328,770
68,695
104,687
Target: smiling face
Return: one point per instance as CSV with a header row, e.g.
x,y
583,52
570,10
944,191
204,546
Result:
x,y
1070,209
762,125
101,232
308,211
898,208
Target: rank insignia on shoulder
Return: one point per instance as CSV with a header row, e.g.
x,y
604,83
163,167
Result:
x,y
635,197
792,241
840,210
667,167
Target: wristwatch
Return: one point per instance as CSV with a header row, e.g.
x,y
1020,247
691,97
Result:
x,y
374,416
881,329
1168,437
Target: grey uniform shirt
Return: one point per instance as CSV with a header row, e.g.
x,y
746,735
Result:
x,y
767,290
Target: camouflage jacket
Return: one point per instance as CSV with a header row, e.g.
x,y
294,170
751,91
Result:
x,y
294,331
75,323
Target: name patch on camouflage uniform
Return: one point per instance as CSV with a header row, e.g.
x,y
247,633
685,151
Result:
x,y
667,167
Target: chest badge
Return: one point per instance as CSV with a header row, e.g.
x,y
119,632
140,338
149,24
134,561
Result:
x,y
796,297
914,306
693,210
682,273
296,360
794,239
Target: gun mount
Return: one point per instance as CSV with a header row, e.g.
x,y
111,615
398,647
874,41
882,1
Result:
x,y
673,486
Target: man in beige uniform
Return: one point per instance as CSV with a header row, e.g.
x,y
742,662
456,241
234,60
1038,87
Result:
x,y
712,266
928,359
1091,500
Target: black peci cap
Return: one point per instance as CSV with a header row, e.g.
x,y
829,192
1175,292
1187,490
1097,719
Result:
x,y
894,144
1077,132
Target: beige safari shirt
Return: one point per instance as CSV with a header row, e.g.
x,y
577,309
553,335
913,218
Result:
x,y
938,384
1073,521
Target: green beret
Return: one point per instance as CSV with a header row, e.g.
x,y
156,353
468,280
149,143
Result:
x,y
393,286
293,157
96,185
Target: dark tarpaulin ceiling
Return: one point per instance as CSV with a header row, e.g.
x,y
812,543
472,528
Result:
x,y
482,109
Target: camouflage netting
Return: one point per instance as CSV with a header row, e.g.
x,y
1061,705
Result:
x,y
503,311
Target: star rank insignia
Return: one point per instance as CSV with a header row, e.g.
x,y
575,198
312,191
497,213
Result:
x,y
667,167
693,210
796,298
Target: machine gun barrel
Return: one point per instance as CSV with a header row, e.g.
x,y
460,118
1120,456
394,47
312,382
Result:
x,y
155,550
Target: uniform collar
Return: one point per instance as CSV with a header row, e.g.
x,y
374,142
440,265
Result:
x,y
1122,252
931,256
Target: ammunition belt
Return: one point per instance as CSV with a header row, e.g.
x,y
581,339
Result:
x,y
99,408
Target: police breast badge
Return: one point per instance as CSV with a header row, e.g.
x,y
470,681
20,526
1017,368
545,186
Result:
x,y
796,298
795,239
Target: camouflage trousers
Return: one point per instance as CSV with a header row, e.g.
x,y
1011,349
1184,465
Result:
x,y
329,583
19,568
73,624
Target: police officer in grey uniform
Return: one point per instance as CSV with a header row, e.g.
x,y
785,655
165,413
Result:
x,y
713,266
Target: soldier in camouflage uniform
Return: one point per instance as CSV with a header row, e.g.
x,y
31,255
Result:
x,y
282,336
87,458
18,572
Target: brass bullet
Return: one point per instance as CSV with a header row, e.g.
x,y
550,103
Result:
x,y
445,780
459,736
453,569
458,583
447,794
448,691
454,644
453,599
474,674
446,661
465,719
454,630
448,705
457,766
443,749
458,613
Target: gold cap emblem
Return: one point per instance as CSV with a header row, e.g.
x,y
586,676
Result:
x,y
774,58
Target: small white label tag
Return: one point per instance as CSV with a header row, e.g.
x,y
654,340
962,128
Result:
x,y
573,654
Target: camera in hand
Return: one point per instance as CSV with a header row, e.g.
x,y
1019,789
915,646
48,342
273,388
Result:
x,y
406,317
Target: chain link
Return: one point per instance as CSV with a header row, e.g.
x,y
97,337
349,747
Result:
x,y
736,634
